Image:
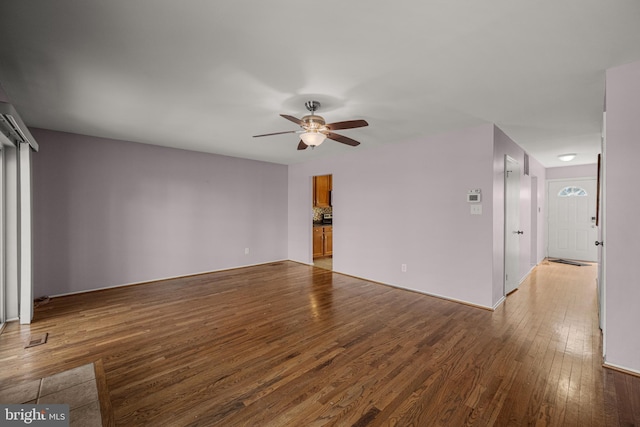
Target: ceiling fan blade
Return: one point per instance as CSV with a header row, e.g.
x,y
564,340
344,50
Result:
x,y
291,118
276,133
349,124
302,145
342,138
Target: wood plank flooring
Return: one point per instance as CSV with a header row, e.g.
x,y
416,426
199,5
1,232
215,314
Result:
x,y
287,344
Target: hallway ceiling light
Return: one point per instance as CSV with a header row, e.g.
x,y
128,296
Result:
x,y
567,157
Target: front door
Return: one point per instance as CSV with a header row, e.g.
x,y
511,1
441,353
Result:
x,y
572,219
512,230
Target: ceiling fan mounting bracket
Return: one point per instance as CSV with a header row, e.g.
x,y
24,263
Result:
x,y
312,106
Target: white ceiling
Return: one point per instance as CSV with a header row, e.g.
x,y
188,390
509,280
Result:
x,y
207,75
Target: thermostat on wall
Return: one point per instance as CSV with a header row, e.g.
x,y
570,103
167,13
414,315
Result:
x,y
474,196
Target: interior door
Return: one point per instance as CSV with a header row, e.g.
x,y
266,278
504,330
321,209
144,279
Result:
x,y
512,230
601,205
572,219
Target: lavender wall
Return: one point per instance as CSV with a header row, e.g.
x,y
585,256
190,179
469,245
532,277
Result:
x,y
111,212
568,172
622,211
405,203
503,145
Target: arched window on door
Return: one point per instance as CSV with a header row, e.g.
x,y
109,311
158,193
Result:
x,y
572,192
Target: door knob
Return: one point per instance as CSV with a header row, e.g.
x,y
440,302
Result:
x,y
599,243
518,232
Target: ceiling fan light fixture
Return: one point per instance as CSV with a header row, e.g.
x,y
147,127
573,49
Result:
x,y
313,138
315,130
567,157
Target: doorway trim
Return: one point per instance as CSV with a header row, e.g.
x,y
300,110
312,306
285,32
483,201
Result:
x,y
511,261
535,211
324,261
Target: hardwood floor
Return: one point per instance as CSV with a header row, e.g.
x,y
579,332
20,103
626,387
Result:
x,y
287,344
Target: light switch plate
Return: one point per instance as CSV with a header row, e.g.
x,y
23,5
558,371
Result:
x,y
476,209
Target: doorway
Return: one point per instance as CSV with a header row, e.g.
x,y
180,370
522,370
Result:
x,y
512,230
322,236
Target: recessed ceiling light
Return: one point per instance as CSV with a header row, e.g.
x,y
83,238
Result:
x,y
567,157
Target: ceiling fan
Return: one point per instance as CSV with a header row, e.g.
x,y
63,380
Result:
x,y
315,129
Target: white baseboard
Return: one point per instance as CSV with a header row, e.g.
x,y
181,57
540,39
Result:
x,y
459,301
163,278
499,303
281,260
526,275
622,369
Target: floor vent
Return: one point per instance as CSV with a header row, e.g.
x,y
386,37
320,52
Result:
x,y
37,340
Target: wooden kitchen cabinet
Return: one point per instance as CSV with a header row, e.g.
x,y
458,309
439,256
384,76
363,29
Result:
x,y
318,242
328,241
322,186
322,241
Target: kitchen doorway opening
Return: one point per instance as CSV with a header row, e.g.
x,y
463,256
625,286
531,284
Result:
x,y
322,221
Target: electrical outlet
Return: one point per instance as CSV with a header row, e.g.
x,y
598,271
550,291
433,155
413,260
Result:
x,y
246,251
403,267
